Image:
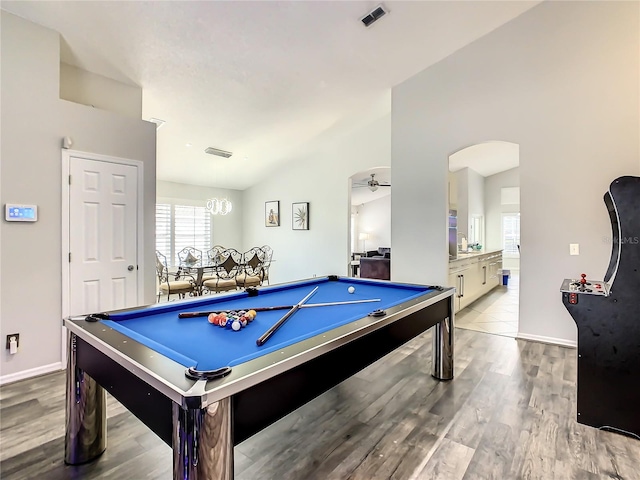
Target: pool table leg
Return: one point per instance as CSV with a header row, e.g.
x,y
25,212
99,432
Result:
x,y
203,442
86,413
442,353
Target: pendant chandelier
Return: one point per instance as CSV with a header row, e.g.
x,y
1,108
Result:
x,y
217,206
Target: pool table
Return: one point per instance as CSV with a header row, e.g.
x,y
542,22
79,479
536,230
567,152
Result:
x,y
142,356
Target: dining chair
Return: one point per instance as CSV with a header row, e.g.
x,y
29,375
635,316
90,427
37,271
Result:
x,y
251,275
189,256
209,272
226,265
179,285
266,262
213,252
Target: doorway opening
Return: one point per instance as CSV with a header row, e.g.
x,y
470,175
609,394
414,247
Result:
x,y
484,252
370,217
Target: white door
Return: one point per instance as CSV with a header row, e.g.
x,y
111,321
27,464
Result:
x,y
103,271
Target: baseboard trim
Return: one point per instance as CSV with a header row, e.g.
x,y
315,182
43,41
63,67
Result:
x,y
550,340
32,372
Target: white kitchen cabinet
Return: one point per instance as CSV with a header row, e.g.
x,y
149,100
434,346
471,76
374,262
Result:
x,y
472,285
457,280
473,276
495,269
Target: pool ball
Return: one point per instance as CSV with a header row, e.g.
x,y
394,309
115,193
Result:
x,y
351,289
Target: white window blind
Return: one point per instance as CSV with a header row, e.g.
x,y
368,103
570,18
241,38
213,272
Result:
x,y
353,232
180,226
192,228
510,233
163,229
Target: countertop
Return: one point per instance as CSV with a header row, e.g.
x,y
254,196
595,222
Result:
x,y
467,256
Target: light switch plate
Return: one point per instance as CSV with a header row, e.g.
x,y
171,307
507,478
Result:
x,y
574,249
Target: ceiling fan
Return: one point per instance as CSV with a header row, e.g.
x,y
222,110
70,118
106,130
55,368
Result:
x,y
373,184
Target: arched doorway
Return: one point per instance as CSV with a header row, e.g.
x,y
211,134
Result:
x,y
484,198
370,218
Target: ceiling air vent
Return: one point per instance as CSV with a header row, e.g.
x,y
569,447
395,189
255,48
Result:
x,y
218,152
374,15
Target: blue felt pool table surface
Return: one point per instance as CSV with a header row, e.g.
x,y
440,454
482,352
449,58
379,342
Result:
x,y
194,342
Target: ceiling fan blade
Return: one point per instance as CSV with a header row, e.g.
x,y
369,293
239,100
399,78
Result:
x,y
357,185
371,183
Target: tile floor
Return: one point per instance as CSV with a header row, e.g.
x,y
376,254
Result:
x,y
496,312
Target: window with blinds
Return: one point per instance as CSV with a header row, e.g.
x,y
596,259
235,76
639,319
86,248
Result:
x,y
353,232
180,226
510,233
163,229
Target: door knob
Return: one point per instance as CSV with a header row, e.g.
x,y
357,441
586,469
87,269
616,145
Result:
x,y
130,268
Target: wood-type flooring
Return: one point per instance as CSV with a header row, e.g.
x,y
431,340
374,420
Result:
x,y
508,414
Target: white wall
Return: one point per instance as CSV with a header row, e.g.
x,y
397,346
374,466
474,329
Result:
x,y
34,121
562,81
374,218
494,209
322,180
475,185
461,180
469,186
453,191
87,88
225,229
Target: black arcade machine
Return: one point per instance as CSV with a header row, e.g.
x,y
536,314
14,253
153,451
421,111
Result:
x,y
607,313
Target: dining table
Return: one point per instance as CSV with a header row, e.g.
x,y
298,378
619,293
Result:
x,y
201,269
197,270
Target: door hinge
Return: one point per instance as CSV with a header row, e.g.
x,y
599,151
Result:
x,y
69,179
69,257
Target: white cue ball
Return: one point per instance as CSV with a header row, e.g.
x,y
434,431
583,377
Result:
x,y
351,289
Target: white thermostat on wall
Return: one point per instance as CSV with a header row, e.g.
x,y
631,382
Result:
x,y
20,213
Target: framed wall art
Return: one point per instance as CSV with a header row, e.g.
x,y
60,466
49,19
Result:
x,y
272,213
300,215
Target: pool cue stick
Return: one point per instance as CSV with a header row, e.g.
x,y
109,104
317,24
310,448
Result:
x,y
268,309
266,335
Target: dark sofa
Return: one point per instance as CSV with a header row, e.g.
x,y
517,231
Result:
x,y
377,264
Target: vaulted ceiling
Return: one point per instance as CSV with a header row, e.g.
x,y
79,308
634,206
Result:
x,y
260,79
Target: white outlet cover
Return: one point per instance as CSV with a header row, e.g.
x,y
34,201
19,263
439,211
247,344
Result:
x,y
574,249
